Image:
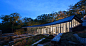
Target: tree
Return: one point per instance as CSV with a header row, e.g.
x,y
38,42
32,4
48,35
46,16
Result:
x,y
28,21
8,21
78,9
13,19
5,18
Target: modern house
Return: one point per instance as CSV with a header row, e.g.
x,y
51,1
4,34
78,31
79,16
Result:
x,y
60,26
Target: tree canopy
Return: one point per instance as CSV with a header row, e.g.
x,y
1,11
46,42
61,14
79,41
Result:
x,y
12,21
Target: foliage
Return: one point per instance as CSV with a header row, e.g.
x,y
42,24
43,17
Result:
x,y
69,37
44,41
19,31
50,37
78,9
9,22
46,45
12,22
29,41
18,44
35,44
24,42
66,37
83,35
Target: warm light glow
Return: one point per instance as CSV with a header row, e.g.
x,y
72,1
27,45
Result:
x,y
64,31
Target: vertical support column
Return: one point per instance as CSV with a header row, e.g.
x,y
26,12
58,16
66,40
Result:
x,y
56,30
52,30
60,28
35,30
49,30
63,28
43,30
69,26
66,27
46,30
73,23
31,30
76,22
38,31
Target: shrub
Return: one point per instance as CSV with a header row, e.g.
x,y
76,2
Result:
x,y
39,36
19,31
24,42
69,37
50,37
44,41
35,44
18,44
46,45
29,41
83,35
66,37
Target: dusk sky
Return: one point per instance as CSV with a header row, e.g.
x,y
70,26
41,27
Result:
x,y
33,8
